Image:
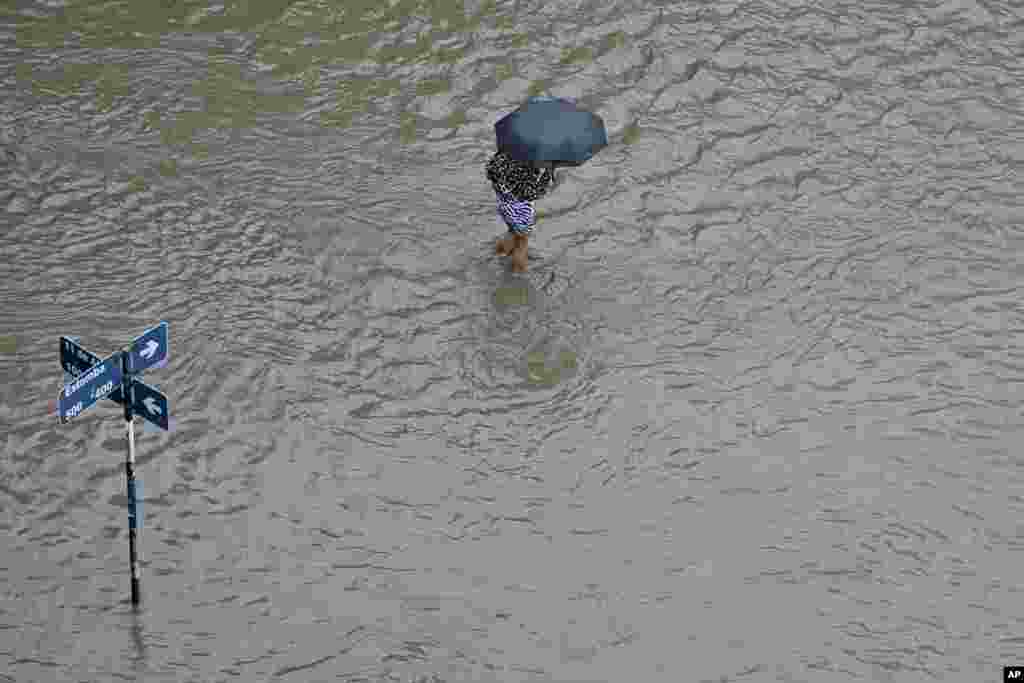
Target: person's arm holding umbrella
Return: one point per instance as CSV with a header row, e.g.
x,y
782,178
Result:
x,y
552,167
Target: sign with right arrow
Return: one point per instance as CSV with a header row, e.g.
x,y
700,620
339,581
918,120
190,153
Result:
x,y
148,349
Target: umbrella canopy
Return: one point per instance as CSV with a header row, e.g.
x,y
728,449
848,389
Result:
x,y
551,129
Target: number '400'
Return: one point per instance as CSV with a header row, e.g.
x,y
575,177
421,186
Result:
x,y
103,390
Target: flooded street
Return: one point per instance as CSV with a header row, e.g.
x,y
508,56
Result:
x,y
750,416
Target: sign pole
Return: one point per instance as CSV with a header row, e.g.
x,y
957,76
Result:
x,y
129,467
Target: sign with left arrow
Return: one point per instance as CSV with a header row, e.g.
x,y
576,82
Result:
x,y
149,403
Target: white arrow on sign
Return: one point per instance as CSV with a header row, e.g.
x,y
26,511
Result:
x,y
151,405
151,347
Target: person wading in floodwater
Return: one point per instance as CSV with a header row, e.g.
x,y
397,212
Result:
x,y
517,184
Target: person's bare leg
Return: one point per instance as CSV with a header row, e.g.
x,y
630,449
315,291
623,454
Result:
x,y
504,245
519,253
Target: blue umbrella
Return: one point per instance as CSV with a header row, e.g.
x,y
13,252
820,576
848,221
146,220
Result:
x,y
551,129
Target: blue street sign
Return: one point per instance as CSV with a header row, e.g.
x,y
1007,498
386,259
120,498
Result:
x,y
75,360
149,403
94,384
148,349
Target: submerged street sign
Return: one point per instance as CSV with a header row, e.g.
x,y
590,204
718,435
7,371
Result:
x,y
149,403
96,383
92,379
148,349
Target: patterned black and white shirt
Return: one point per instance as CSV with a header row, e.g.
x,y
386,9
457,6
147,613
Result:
x,y
517,184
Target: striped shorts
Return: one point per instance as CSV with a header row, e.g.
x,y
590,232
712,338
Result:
x,y
518,215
